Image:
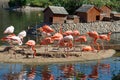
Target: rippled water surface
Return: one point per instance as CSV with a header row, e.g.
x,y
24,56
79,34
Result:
x,y
91,70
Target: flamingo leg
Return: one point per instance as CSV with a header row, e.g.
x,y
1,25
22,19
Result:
x,y
103,45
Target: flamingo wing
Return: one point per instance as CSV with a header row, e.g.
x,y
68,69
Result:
x,y
47,29
57,36
69,32
16,40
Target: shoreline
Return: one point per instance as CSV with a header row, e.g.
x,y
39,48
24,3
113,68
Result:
x,y
26,9
6,57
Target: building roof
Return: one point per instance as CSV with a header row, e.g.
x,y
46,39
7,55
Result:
x,y
106,6
84,8
57,10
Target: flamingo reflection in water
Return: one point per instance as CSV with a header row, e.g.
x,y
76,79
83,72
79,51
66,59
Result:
x,y
105,68
46,74
94,74
68,72
31,74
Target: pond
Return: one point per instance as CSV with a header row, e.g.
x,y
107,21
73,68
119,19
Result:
x,y
20,20
90,70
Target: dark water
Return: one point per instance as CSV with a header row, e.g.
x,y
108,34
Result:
x,y
61,71
20,20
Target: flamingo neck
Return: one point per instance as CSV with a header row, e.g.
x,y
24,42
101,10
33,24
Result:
x,y
60,30
108,36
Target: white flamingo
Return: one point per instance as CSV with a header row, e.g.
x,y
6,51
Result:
x,y
9,30
22,34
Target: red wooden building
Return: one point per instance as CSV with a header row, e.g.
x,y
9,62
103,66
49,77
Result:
x,y
105,12
88,13
72,19
55,14
115,15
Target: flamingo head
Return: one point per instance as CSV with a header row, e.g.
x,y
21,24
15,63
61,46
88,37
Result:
x,y
109,33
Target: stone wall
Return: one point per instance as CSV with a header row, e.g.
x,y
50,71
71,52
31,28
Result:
x,y
100,27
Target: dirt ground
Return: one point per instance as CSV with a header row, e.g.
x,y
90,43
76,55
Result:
x,y
53,55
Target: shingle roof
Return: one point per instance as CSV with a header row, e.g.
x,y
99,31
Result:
x,y
58,10
84,8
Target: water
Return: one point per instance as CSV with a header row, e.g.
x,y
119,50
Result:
x,y
61,71
20,20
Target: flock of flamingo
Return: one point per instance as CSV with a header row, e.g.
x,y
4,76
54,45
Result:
x,y
66,39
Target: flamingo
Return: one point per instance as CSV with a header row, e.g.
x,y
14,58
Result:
x,y
45,34
56,37
9,30
12,40
46,28
46,41
31,43
105,38
22,34
95,36
66,42
81,39
75,33
69,32
87,48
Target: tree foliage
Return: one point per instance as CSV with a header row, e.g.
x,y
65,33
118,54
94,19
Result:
x,y
70,5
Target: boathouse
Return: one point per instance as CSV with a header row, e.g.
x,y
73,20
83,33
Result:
x,y
55,14
88,13
105,13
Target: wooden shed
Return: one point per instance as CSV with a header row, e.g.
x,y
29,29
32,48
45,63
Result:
x,y
72,19
55,14
115,15
106,10
88,13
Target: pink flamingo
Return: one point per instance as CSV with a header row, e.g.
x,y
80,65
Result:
x,y
46,28
81,39
75,33
105,37
46,41
31,43
87,48
56,37
66,42
95,36
69,32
